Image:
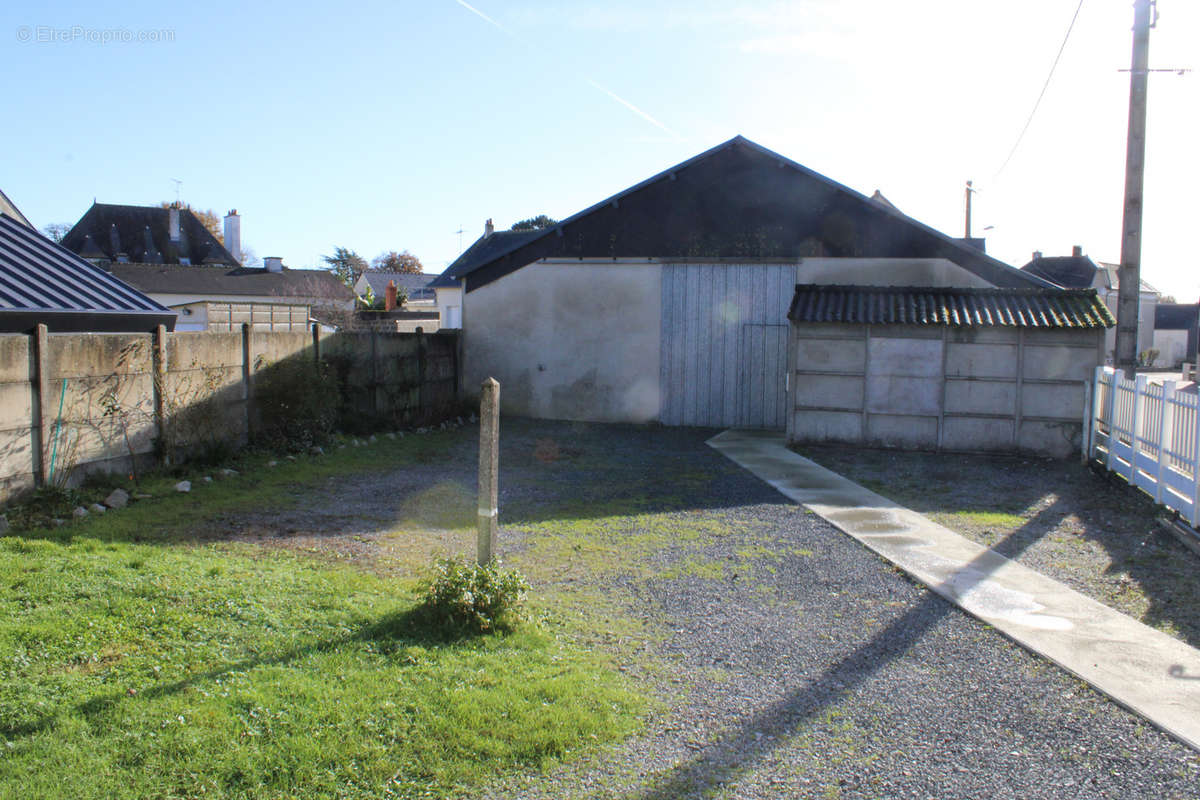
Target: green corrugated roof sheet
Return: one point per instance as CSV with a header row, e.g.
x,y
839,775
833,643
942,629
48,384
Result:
x,y
916,305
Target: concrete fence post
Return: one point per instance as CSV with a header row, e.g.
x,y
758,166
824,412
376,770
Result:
x,y
489,468
423,413
40,401
316,339
247,378
158,365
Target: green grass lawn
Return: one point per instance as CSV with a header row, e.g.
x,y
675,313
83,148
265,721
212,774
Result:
x,y
140,662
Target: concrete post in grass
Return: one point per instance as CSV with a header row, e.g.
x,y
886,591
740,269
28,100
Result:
x,y
489,468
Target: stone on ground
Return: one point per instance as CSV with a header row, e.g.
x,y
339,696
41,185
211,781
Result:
x,y
118,498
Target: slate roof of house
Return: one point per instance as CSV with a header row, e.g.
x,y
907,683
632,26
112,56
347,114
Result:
x,y
738,200
1077,272
43,282
1069,272
914,305
182,279
142,234
415,285
1176,316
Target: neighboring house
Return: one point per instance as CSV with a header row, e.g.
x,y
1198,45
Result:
x,y
668,301
1176,334
191,289
152,235
42,282
172,257
415,286
448,285
1078,271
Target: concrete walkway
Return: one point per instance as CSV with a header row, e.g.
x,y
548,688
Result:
x,y
1144,670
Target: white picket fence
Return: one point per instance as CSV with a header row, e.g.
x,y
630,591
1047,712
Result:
x,y
1147,433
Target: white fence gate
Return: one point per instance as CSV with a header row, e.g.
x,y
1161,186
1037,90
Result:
x,y
1147,433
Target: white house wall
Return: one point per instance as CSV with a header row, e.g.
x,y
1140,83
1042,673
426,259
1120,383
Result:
x,y
1172,348
569,340
449,306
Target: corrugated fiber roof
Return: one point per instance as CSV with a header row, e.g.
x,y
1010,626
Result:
x,y
916,305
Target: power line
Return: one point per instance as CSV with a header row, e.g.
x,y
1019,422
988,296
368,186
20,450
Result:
x,y
1041,94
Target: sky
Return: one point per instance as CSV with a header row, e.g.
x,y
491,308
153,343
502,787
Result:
x,y
394,125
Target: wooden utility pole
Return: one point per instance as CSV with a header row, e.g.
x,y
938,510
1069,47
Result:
x,y
1130,274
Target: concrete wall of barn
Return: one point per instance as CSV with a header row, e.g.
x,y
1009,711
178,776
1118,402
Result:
x,y
636,340
568,340
941,388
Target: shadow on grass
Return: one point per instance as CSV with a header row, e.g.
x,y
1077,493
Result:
x,y
548,471
1073,502
390,633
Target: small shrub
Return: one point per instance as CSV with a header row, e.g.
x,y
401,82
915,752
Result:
x,y
467,598
296,402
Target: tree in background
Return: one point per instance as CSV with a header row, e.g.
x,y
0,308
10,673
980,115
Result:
x,y
214,224
346,264
534,223
55,231
249,257
397,262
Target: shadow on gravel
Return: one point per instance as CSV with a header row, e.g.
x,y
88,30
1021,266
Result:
x,y
758,735
1077,504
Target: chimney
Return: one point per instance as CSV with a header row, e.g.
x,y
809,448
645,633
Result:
x,y
173,224
233,235
273,263
488,228
389,297
1037,255
1077,250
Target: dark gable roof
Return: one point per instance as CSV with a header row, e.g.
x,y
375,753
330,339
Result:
x,y
485,249
915,305
142,233
737,200
415,285
1070,272
43,282
179,279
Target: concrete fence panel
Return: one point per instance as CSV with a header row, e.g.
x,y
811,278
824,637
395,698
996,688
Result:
x,y
124,406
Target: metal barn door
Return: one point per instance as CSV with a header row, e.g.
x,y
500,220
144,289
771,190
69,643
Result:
x,y
762,401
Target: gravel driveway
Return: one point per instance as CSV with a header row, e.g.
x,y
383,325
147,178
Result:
x,y
790,661
811,668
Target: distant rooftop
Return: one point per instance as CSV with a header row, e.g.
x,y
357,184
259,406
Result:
x,y
142,234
